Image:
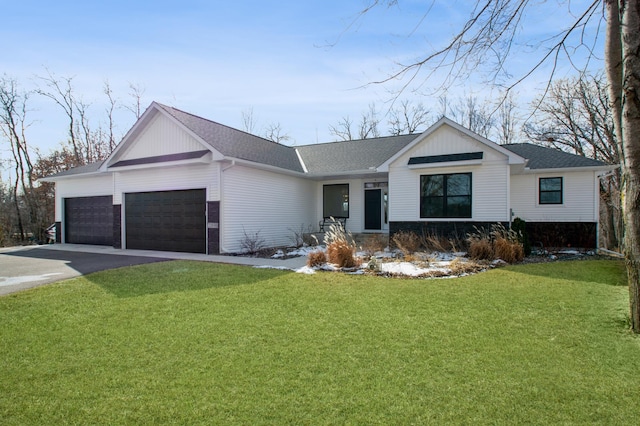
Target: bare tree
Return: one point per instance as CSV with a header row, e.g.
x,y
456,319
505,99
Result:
x,y
248,120
274,133
486,42
89,143
111,106
474,115
136,92
507,120
369,122
408,118
368,126
13,113
342,131
59,90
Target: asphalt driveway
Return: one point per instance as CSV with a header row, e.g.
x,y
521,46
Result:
x,y
26,267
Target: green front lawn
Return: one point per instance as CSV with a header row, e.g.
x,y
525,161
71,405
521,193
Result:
x,y
199,343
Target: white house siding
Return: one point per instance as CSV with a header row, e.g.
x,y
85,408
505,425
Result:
x,y
84,186
161,137
490,179
192,176
261,201
580,200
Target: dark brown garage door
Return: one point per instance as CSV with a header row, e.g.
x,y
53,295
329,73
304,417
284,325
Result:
x,y
166,220
89,220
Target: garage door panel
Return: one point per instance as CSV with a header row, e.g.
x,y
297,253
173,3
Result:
x,y
89,220
166,220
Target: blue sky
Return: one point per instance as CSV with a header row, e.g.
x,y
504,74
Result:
x,y
303,64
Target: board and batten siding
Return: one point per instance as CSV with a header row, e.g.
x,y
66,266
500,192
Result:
x,y
264,202
490,179
161,137
580,200
192,176
82,186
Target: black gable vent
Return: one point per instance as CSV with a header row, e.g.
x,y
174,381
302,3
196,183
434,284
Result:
x,y
446,158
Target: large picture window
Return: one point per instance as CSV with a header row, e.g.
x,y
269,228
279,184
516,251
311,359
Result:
x,y
550,191
335,200
445,196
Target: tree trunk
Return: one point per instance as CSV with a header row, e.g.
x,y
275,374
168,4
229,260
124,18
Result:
x,y
630,130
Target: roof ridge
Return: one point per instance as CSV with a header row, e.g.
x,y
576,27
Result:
x,y
359,140
219,124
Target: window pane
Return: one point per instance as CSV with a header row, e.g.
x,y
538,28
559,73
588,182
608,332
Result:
x,y
550,198
432,207
336,200
459,184
459,206
550,184
432,185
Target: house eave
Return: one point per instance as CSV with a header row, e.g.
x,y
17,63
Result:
x,y
74,176
603,169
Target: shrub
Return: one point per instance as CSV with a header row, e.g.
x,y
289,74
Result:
x,y
340,253
374,243
519,226
460,267
252,243
407,241
509,251
435,242
481,249
316,258
301,236
337,233
340,247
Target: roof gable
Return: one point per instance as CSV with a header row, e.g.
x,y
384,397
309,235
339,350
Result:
x,y
236,144
447,141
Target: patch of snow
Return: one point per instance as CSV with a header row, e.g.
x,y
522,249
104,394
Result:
x,y
306,270
282,268
569,251
278,255
404,268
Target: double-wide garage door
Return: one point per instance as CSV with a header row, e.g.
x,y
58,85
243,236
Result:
x,y
166,220
88,220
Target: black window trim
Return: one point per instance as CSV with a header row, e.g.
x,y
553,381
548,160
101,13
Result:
x,y
348,199
560,191
445,196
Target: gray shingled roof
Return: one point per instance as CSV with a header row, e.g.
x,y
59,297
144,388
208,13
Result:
x,y
541,157
89,168
238,144
331,158
351,156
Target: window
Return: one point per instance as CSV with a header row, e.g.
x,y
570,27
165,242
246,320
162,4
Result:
x,y
335,200
550,191
445,195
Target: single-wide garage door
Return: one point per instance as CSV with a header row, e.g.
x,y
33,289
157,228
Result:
x,y
166,221
89,220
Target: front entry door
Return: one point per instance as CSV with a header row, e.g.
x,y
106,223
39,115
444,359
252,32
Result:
x,y
373,209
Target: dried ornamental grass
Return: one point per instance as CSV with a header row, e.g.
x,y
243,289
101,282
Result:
x,y
407,241
316,258
341,253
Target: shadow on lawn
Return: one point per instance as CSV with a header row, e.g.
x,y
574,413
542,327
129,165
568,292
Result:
x,y
179,276
609,272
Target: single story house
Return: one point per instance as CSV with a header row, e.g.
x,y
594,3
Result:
x,y
179,182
